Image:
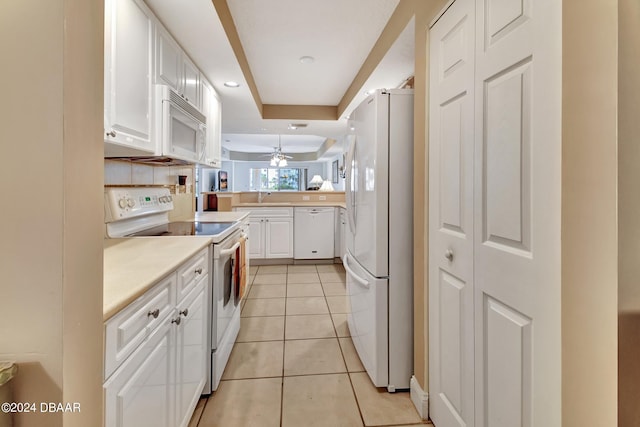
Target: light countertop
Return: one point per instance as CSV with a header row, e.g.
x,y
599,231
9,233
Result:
x,y
220,216
289,204
133,265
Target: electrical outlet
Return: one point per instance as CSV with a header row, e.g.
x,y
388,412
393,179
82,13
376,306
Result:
x,y
305,198
323,197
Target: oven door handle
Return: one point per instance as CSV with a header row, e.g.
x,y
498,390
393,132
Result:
x,y
225,252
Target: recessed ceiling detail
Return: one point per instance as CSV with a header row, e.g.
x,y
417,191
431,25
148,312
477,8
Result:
x,y
340,32
264,45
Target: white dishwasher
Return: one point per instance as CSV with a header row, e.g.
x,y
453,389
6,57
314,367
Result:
x,y
313,234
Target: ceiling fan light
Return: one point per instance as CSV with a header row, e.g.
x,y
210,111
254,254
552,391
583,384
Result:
x,y
274,162
283,162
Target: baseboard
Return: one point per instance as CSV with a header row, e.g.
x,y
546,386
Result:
x,y
419,398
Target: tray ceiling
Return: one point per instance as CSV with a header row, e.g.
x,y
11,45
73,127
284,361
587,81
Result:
x,y
259,44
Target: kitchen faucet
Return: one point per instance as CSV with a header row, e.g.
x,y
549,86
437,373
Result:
x,y
261,195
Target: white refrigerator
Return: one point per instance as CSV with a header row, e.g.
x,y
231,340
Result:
x,y
379,256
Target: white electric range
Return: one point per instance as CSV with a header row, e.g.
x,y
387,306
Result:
x,y
139,212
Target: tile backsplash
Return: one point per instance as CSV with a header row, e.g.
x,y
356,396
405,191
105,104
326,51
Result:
x,y
117,172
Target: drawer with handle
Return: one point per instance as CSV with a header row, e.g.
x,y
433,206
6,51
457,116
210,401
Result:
x,y
127,329
191,273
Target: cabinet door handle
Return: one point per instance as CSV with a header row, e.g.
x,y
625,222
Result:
x,y
112,134
176,321
199,270
155,313
184,312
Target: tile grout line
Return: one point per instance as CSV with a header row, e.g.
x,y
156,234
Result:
x,y
206,402
284,338
355,396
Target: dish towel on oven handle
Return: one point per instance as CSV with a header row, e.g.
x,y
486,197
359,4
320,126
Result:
x,y
241,272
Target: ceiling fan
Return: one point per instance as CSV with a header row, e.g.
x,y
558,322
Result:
x,y
278,158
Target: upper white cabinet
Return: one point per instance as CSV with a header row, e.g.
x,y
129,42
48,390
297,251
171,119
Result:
x,y
174,68
127,71
139,54
212,108
167,60
191,82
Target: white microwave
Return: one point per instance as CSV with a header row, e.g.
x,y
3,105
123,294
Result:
x,y
181,128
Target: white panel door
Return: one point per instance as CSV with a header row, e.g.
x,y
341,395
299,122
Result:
x,y
451,231
517,213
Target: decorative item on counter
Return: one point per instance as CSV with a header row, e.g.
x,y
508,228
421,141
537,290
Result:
x,y
315,182
182,186
326,186
222,181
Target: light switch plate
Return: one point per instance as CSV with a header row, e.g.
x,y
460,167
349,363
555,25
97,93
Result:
x,y
305,197
323,197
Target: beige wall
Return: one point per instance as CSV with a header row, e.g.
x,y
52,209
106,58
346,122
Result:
x,y
425,12
51,260
629,213
589,225
629,149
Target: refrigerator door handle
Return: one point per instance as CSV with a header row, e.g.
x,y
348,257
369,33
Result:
x,y
350,187
363,282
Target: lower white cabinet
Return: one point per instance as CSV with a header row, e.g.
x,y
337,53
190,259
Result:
x,y
190,354
256,243
342,233
160,383
271,231
141,390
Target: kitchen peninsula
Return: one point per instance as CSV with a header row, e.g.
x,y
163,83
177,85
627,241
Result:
x,y
227,201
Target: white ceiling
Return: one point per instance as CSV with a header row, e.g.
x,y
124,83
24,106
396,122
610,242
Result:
x,y
337,33
256,143
274,34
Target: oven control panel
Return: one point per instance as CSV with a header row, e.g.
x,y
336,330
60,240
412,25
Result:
x,y
128,202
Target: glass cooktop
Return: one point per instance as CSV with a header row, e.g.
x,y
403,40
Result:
x,y
186,229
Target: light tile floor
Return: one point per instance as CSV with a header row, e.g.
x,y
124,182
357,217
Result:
x,y
294,363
